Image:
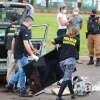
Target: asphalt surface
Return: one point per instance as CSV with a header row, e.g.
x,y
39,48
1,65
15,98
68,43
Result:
x,y
92,72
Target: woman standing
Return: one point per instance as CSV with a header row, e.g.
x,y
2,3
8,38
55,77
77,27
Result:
x,y
62,21
67,61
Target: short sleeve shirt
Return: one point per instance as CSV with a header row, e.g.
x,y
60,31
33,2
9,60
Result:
x,y
76,22
19,49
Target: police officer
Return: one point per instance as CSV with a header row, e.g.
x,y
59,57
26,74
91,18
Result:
x,y
94,39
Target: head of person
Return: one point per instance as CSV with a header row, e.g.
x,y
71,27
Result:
x,y
72,32
75,10
62,9
28,22
93,13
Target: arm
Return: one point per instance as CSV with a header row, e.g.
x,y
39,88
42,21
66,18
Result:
x,y
81,22
70,18
33,49
29,50
57,40
63,22
12,45
28,47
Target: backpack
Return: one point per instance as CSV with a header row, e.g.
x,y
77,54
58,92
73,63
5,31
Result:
x,y
82,86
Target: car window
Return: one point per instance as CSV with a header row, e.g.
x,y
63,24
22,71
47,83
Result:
x,y
11,14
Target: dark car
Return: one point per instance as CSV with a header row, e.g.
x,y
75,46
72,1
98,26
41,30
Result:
x,y
11,16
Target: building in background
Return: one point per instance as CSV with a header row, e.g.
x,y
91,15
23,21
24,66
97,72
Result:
x,y
50,3
89,4
85,4
98,5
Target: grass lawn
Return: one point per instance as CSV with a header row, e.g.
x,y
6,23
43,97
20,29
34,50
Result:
x,y
50,19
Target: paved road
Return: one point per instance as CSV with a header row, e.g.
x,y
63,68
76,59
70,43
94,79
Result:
x,y
92,72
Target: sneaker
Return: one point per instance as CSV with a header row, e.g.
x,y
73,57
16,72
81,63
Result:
x,y
59,98
91,62
8,88
30,93
25,94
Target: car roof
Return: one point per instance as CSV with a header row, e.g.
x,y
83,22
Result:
x,y
12,4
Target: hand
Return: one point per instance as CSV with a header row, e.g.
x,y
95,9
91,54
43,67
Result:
x,y
70,18
34,51
34,57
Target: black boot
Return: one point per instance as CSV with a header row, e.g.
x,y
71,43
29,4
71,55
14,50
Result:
x,y
98,62
59,98
70,86
8,88
63,86
91,61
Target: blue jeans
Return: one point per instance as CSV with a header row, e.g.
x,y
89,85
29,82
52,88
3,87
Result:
x,y
68,67
20,75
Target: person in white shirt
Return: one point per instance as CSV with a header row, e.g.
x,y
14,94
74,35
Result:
x,y
62,21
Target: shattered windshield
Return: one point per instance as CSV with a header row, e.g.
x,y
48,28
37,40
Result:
x,y
11,14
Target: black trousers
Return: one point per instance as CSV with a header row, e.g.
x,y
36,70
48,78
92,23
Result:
x,y
61,32
78,46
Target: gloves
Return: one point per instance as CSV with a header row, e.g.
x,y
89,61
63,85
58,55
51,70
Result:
x,y
34,57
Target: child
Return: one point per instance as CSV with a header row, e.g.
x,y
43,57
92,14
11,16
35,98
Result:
x,y
67,56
